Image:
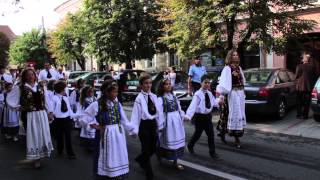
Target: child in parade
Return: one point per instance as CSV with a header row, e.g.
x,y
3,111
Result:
x,y
147,125
231,89
201,108
10,115
172,138
62,118
110,121
87,135
32,99
50,94
75,99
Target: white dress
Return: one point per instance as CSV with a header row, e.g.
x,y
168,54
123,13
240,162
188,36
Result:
x,y
75,105
236,100
38,136
111,158
172,138
10,116
85,132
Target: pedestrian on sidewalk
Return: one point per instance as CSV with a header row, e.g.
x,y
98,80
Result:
x,y
196,71
87,135
9,115
110,121
306,78
172,138
201,108
144,117
32,99
231,88
63,119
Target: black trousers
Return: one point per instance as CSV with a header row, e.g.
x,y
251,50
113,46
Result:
x,y
303,103
195,86
203,122
23,116
63,129
148,138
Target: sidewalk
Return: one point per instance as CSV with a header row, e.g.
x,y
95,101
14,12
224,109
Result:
x,y
290,125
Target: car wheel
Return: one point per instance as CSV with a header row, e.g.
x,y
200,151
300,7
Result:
x,y
282,108
316,117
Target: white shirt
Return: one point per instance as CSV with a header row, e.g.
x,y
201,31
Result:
x,y
198,103
43,75
140,110
60,75
56,106
172,77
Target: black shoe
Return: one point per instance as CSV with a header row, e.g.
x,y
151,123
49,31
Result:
x,y
214,155
72,156
140,163
190,149
223,138
149,175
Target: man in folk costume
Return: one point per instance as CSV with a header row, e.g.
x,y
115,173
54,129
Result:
x,y
31,98
231,89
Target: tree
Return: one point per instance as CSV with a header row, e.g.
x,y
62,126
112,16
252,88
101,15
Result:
x,y
69,40
193,26
4,47
29,46
123,30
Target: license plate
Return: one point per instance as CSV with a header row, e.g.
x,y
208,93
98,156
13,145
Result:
x,y
132,87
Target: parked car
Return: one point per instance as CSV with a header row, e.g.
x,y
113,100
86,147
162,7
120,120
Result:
x,y
269,91
75,74
88,77
315,101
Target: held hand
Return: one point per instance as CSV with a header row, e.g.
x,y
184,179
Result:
x,y
50,117
186,119
189,92
95,126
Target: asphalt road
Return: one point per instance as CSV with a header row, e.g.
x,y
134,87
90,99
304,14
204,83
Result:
x,y
264,156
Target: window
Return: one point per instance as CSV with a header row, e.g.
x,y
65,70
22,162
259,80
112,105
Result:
x,y
292,76
283,77
257,76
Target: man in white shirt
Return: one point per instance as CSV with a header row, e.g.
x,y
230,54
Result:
x,y
48,73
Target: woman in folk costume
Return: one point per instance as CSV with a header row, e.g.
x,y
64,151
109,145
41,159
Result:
x,y
32,99
9,114
75,99
172,138
87,135
111,156
231,89
146,123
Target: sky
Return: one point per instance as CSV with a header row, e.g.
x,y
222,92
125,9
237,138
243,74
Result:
x,y
28,14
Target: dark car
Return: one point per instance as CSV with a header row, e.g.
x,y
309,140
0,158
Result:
x,y
88,77
75,74
269,91
315,101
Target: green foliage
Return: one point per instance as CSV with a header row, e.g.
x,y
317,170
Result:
x,y
193,26
69,40
4,48
122,30
29,46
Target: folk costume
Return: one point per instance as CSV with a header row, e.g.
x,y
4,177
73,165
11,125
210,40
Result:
x,y
111,156
34,102
63,123
201,108
75,105
146,125
231,87
172,137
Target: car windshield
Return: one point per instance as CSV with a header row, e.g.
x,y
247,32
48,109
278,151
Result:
x,y
257,77
75,75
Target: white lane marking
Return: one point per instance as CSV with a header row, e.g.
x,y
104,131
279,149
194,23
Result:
x,y
210,171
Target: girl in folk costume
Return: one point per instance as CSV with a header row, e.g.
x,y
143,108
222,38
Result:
x,y
75,99
201,107
111,156
9,114
32,99
146,124
172,138
62,118
86,98
231,89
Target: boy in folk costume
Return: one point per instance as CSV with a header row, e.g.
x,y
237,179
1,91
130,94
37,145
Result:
x,y
62,118
87,135
201,107
32,99
111,156
172,138
231,84
144,118
10,115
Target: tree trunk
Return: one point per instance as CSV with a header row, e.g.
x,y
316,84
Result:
x,y
230,31
128,64
82,63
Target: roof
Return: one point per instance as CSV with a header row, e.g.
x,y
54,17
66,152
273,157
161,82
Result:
x,y
8,32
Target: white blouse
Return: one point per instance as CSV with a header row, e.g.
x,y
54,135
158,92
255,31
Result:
x,y
198,103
